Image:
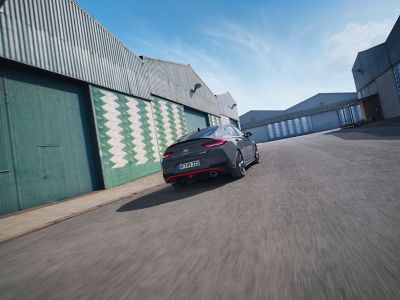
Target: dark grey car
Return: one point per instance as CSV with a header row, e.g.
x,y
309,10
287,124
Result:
x,y
207,153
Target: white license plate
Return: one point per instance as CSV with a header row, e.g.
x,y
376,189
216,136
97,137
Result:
x,y
188,165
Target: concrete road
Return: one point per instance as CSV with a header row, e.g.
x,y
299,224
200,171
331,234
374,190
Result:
x,y
318,218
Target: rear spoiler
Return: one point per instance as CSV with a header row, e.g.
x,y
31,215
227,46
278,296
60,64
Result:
x,y
192,140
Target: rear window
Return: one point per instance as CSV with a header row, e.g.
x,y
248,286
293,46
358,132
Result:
x,y
199,134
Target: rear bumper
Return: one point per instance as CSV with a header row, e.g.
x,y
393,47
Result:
x,y
195,174
214,160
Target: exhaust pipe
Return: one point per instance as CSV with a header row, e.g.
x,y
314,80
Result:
x,y
213,174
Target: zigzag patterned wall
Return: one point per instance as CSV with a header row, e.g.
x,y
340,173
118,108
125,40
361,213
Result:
x,y
214,120
170,122
127,136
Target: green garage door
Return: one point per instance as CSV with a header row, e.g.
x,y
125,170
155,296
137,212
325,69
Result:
x,y
195,119
47,140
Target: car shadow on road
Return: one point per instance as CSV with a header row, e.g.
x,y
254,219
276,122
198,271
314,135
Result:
x,y
368,133
170,194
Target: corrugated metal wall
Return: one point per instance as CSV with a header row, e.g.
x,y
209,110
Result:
x,y
51,138
59,36
175,81
195,119
282,129
9,201
350,115
225,103
325,121
289,128
127,136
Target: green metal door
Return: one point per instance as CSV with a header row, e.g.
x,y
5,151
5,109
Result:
x,y
8,188
49,141
195,119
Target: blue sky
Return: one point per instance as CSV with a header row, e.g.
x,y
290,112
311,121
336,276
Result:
x,y
267,54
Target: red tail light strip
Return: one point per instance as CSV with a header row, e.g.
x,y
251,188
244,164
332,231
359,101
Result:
x,y
214,143
167,154
196,172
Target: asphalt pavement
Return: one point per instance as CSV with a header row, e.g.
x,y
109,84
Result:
x,y
318,218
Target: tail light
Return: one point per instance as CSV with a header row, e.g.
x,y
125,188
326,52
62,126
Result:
x,y
167,154
214,143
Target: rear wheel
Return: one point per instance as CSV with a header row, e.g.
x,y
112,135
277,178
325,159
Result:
x,y
256,155
240,169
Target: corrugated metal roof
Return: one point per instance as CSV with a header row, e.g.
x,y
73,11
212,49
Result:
x,y
61,37
175,81
321,99
226,106
317,104
257,115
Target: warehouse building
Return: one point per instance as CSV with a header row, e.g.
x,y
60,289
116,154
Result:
x,y
79,111
376,73
318,113
228,109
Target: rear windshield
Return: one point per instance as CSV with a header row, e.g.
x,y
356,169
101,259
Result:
x,y
199,134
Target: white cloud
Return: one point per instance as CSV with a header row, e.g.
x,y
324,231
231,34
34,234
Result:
x,y
343,46
263,69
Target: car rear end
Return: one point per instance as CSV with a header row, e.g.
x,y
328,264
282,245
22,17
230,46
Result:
x,y
195,158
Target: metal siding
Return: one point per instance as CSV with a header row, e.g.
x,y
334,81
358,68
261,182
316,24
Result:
x,y
325,121
393,43
195,119
8,186
58,37
331,101
51,137
225,120
225,102
370,64
171,80
127,136
260,134
388,95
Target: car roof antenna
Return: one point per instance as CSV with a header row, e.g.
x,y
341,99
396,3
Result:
x,y
198,129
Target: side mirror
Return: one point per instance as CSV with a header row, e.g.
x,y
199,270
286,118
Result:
x,y
248,134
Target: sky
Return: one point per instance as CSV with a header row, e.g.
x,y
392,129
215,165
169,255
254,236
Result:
x,y
269,54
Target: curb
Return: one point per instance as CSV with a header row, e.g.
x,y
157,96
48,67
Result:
x,y
37,228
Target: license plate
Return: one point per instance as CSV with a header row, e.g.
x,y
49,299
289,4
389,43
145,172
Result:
x,y
188,165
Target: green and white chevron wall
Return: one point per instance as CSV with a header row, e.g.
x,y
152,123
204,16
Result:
x,y
127,136
170,122
214,120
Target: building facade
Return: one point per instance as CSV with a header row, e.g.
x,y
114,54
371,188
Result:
x,y
79,111
228,109
318,113
376,72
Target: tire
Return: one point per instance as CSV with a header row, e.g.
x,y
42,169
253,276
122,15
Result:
x,y
239,170
256,156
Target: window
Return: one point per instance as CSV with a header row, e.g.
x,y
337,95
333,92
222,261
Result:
x,y
238,132
199,134
228,130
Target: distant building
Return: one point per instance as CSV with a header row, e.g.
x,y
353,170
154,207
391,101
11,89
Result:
x,y
376,73
318,113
